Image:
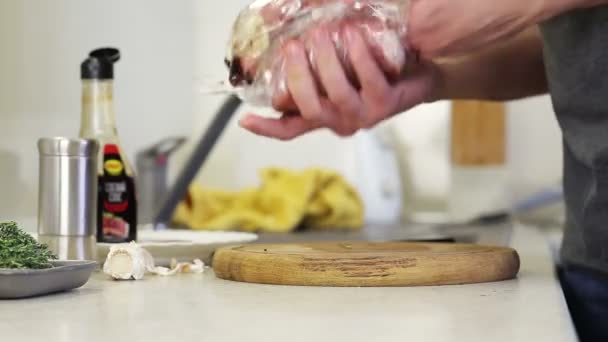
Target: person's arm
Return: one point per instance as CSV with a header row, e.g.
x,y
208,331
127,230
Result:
x,y
446,28
505,71
514,69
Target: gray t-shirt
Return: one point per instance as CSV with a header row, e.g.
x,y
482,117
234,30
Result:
x,y
576,61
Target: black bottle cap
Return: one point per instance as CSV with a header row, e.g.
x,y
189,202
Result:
x,y
100,64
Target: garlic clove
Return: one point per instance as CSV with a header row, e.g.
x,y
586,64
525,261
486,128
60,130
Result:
x,y
130,261
127,261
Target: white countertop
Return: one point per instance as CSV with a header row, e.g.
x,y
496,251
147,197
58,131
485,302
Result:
x,y
203,308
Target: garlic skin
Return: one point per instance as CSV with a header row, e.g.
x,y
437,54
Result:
x,y
197,266
128,261
132,262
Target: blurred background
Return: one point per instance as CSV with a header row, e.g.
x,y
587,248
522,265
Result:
x,y
167,47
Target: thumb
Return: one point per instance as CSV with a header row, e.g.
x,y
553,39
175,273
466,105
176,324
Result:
x,y
420,85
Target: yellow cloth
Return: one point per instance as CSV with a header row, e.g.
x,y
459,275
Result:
x,y
313,198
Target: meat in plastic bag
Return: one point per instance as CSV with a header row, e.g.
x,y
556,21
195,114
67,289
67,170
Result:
x,y
260,30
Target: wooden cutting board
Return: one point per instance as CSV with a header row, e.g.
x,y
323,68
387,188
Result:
x,y
366,264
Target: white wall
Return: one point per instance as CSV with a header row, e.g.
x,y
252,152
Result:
x,y
42,44
534,154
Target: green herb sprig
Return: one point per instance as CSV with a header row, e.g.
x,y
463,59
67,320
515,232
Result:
x,y
19,250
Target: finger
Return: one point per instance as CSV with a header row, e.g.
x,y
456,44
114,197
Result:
x,y
366,68
376,92
343,96
418,86
281,98
283,102
285,128
301,83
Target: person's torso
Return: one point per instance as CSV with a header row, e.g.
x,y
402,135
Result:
x,y
576,61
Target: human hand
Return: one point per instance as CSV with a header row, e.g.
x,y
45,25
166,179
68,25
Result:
x,y
326,98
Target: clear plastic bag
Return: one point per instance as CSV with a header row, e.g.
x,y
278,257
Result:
x,y
254,57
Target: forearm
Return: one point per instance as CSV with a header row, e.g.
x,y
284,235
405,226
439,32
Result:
x,y
502,72
510,70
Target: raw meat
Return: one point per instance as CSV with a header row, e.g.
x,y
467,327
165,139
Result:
x,y
254,51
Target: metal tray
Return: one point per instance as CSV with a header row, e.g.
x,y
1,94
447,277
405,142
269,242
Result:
x,y
64,276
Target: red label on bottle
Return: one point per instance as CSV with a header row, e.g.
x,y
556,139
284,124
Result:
x,y
116,207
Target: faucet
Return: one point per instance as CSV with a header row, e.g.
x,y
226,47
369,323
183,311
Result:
x,y
208,140
152,168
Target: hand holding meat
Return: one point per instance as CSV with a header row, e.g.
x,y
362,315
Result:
x,y
327,99
256,51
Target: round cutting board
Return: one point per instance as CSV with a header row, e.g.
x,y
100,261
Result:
x,y
366,264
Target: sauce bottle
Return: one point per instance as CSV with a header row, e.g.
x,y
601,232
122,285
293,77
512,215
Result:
x,y
117,200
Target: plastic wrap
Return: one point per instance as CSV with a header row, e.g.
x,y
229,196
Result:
x,y
256,64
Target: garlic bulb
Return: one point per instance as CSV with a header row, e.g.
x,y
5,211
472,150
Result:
x,y
128,261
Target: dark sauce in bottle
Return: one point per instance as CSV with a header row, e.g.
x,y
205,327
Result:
x,y
117,203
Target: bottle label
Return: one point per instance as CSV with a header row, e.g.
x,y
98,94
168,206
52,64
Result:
x,y
116,199
113,167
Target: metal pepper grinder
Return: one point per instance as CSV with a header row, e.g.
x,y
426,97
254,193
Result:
x,y
67,198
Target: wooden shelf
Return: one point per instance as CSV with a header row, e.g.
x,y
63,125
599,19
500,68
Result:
x,y
478,130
